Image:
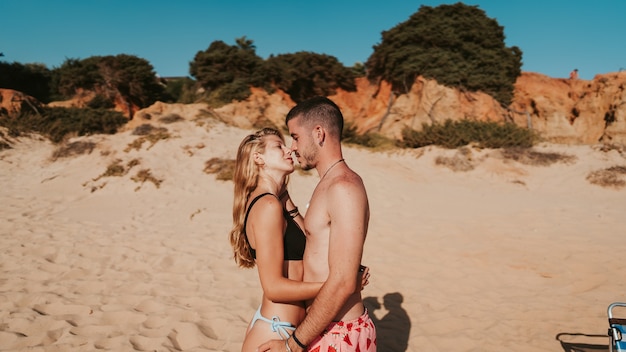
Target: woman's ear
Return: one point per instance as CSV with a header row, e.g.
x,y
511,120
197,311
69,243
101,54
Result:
x,y
258,159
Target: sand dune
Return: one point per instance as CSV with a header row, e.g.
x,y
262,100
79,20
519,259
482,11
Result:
x,y
501,257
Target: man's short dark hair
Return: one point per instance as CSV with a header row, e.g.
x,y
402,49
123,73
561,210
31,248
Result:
x,y
319,110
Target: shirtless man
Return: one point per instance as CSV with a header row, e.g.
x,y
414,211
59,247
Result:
x,y
336,226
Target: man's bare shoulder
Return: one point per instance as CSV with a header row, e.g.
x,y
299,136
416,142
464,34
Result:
x,y
346,182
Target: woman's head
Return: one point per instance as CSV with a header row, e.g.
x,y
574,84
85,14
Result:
x,y
262,149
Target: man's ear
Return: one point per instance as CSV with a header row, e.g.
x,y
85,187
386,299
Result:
x,y
319,134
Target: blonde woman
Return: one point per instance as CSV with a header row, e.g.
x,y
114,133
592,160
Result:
x,y
268,232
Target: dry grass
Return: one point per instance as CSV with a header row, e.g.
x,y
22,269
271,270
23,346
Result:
x,y
460,161
223,168
143,176
4,143
116,169
532,157
613,177
192,150
148,133
74,148
171,118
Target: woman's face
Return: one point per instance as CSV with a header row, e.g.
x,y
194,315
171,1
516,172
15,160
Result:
x,y
277,156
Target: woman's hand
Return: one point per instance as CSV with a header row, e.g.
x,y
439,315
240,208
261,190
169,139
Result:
x,y
363,279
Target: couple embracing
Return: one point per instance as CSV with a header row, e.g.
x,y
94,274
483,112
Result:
x,y
309,268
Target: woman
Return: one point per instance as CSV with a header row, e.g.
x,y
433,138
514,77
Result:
x,y
267,231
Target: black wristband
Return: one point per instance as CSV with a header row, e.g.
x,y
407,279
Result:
x,y
303,346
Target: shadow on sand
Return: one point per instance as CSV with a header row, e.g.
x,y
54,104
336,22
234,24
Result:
x,y
577,342
393,329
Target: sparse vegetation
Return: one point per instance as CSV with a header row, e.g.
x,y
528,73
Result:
x,y
145,175
148,133
607,147
461,161
171,118
116,169
74,148
372,140
223,168
4,144
455,134
614,177
56,123
536,158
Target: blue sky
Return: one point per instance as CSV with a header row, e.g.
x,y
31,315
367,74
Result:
x,y
555,36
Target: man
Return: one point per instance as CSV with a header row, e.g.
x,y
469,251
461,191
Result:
x,y
336,226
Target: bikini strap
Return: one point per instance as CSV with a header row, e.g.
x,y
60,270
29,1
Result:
x,y
245,221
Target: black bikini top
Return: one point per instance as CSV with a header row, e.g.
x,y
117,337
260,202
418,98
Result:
x,y
294,239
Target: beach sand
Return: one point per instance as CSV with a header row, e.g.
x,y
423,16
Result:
x,y
503,256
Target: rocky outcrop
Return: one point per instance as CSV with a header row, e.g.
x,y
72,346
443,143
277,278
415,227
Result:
x,y
574,111
375,108
13,102
561,110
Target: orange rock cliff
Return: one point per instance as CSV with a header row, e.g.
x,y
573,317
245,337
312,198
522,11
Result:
x,y
561,110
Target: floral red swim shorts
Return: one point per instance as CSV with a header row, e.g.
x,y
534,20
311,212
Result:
x,y
358,335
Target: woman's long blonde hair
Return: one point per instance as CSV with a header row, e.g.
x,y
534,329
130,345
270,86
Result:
x,y
246,178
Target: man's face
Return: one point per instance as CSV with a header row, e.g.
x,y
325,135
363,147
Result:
x,y
302,144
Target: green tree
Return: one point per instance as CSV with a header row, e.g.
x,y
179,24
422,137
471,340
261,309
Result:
x,y
75,74
30,79
180,90
457,45
126,76
305,74
229,68
132,77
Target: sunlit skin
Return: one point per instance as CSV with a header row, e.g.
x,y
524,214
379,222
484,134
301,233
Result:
x,y
284,292
336,225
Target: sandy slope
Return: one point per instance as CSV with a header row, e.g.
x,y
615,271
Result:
x,y
503,257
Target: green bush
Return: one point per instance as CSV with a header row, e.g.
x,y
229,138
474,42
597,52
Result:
x,y
56,123
237,90
304,75
101,102
370,140
180,90
455,134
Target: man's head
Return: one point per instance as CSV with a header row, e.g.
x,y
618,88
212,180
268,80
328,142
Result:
x,y
313,124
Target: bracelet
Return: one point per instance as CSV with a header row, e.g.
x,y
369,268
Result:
x,y
303,346
287,346
293,212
